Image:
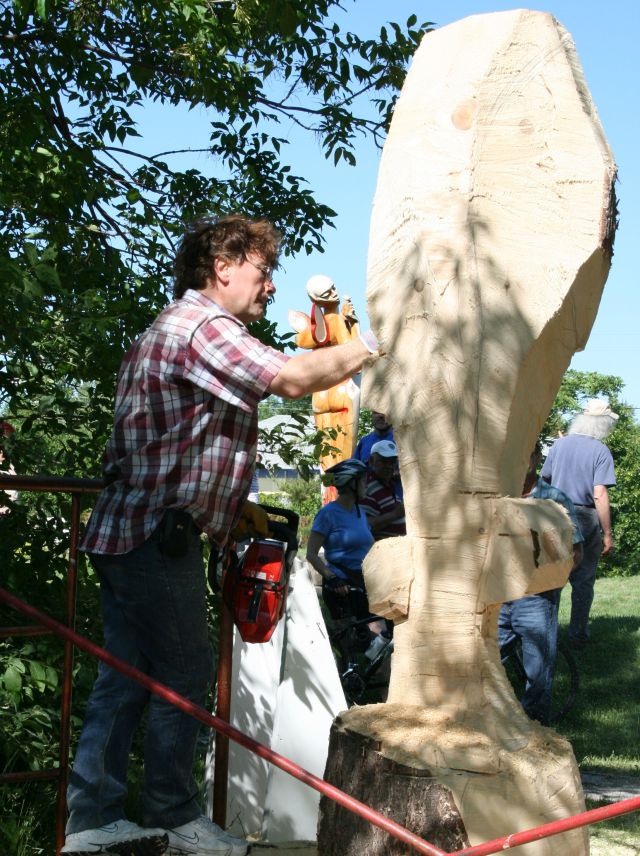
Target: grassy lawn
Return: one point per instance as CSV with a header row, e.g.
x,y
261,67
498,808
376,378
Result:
x,y
604,724
617,837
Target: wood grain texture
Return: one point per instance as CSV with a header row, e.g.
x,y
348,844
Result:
x,y
491,240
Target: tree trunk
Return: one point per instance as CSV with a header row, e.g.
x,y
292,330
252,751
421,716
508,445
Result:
x,y
410,796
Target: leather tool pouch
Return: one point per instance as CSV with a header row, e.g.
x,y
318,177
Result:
x,y
175,529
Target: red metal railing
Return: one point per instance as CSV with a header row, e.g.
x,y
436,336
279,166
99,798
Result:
x,y
222,727
76,487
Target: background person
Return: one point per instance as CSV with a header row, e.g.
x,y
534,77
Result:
x,y
382,430
383,503
581,466
179,460
534,619
341,530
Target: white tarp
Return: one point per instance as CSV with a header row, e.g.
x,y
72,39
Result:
x,y
285,694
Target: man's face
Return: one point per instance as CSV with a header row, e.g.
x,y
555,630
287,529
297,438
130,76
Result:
x,y
244,287
383,468
380,423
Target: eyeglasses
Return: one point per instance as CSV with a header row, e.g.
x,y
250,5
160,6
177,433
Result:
x,y
265,270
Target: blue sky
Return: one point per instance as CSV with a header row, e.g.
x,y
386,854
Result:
x,y
606,37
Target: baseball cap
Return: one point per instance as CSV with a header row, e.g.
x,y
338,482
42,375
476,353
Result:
x,y
385,448
599,407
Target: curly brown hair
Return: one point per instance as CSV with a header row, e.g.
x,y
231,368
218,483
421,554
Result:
x,y
231,237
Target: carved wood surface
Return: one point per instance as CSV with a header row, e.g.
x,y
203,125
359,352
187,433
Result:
x,y
490,243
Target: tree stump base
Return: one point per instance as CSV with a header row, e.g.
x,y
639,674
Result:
x,y
409,796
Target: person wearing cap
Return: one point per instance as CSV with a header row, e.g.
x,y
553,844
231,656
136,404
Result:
x,y
383,503
580,465
534,618
382,430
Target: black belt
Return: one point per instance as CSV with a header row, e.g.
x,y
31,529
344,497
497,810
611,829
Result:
x,y
582,505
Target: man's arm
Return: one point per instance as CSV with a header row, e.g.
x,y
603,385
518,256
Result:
x,y
320,369
379,522
603,509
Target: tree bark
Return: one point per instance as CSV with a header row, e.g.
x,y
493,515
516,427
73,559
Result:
x,y
408,795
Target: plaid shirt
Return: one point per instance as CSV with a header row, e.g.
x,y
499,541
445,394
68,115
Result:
x,y
185,425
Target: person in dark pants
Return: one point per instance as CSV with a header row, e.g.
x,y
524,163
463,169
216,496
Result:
x,y
534,619
179,462
582,467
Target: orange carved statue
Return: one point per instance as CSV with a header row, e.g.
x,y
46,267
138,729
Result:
x,y
330,324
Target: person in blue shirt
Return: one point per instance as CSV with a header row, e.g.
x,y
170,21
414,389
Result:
x,y
382,430
534,619
582,467
341,531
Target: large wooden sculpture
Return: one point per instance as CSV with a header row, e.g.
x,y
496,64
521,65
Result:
x,y
335,410
490,243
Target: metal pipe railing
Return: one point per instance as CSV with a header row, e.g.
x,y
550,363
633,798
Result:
x,y
50,484
75,486
586,818
497,845
223,709
78,487
224,730
203,715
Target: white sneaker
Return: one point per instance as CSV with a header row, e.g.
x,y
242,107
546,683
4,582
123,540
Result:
x,y
203,837
122,837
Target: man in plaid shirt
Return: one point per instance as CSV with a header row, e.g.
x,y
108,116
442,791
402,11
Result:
x,y
179,461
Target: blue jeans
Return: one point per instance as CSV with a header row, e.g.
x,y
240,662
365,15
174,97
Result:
x,y
154,616
583,577
534,620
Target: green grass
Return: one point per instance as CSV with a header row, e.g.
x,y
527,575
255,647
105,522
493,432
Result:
x,y
621,830
604,723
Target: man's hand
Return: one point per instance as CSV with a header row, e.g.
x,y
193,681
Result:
x,y
607,542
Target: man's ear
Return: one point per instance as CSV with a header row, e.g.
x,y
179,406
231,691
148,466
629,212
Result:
x,y
221,270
